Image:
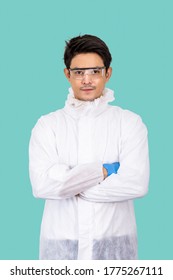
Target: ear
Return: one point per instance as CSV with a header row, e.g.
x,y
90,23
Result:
x,y
108,74
67,74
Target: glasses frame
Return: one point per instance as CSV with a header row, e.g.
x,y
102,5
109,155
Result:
x,y
88,68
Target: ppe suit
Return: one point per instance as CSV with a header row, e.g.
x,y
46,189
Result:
x,y
86,216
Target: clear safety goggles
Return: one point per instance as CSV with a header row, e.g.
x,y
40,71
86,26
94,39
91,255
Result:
x,y
94,73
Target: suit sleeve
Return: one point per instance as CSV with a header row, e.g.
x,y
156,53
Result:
x,y
132,178
50,178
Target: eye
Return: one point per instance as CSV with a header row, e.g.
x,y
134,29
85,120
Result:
x,y
78,73
96,71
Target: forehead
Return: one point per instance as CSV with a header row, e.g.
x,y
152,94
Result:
x,y
86,60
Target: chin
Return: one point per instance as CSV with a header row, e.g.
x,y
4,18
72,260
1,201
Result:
x,y
88,98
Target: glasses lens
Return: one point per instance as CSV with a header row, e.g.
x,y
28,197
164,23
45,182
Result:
x,y
93,72
78,74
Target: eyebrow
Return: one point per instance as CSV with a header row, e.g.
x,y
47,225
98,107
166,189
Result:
x,y
87,68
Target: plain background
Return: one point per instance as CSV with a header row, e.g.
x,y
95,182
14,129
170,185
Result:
x,y
32,83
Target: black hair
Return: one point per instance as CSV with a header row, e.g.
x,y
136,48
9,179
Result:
x,y
86,44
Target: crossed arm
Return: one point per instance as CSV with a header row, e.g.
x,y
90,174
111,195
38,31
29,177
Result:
x,y
92,181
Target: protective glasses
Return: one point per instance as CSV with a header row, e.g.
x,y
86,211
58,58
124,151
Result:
x,y
79,73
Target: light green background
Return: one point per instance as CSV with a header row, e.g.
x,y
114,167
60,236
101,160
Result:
x,y
33,34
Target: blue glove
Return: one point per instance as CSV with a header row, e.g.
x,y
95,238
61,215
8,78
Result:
x,y
111,167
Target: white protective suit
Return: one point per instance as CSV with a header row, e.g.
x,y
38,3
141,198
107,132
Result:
x,y
85,216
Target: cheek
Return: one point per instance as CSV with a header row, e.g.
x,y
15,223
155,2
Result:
x,y
100,85
75,84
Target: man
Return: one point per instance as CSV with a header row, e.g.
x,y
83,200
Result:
x,y
89,161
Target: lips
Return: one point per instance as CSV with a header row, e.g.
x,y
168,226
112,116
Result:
x,y
87,88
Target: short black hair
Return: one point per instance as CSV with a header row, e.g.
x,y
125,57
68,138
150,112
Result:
x,y
86,44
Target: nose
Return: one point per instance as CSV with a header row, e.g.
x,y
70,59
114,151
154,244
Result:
x,y
87,79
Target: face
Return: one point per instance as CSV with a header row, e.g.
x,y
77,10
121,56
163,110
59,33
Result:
x,y
88,88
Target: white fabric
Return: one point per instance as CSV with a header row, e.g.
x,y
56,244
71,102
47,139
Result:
x,y
85,216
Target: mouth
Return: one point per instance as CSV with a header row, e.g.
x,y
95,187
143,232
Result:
x,y
87,88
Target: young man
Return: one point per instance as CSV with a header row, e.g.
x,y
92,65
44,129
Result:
x,y
89,161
